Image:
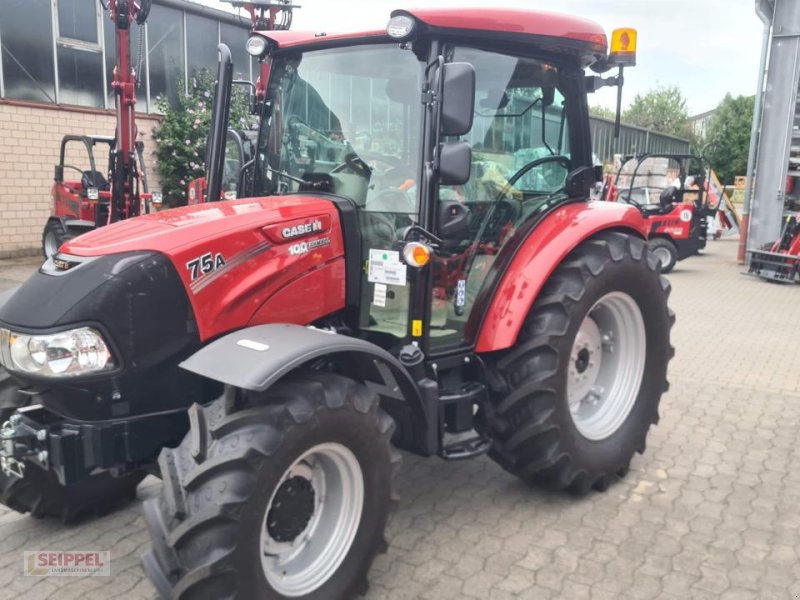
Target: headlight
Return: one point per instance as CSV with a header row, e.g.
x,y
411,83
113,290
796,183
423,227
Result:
x,y
65,354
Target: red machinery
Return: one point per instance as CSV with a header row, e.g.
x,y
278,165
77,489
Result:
x,y
780,261
401,273
676,217
94,200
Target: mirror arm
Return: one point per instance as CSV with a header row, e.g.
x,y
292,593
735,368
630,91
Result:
x,y
434,240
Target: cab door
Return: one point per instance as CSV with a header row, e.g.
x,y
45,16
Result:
x,y
521,155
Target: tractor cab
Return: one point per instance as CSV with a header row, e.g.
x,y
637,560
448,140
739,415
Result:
x,y
672,193
465,182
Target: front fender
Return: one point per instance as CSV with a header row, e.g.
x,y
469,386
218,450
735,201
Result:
x,y
540,253
257,357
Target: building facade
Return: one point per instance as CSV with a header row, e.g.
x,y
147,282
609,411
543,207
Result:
x,y
56,63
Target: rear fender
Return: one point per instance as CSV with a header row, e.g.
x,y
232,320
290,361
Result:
x,y
540,253
257,357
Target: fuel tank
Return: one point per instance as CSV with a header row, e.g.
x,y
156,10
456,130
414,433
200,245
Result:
x,y
241,262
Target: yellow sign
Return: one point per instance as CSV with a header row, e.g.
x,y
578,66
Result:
x,y
623,47
416,328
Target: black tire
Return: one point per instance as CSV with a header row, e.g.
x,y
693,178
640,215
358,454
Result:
x,y
40,492
60,235
53,237
205,526
663,246
535,436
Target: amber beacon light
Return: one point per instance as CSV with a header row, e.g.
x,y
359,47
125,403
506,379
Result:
x,y
623,47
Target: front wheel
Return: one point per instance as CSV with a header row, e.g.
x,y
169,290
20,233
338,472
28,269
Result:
x,y
665,252
582,385
53,237
285,496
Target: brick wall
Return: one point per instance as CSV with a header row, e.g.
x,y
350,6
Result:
x,y
30,137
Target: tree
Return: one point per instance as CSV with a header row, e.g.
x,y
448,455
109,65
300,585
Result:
x,y
662,109
603,112
729,136
181,136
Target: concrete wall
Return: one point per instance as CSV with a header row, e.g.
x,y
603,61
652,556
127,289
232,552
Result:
x,y
30,136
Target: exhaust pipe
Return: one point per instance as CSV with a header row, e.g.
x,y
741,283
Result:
x,y
215,153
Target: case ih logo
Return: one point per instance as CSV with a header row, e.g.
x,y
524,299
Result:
x,y
300,230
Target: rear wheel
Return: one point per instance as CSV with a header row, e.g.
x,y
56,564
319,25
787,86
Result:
x,y
582,385
285,497
665,252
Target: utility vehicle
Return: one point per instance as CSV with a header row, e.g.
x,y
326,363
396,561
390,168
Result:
x,y
677,216
780,261
415,266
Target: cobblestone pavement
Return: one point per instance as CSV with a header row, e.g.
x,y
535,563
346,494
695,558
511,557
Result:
x,y
709,511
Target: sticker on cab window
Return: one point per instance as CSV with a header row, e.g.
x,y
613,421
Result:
x,y
386,267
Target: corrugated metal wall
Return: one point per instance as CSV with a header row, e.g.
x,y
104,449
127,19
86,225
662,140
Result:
x,y
631,140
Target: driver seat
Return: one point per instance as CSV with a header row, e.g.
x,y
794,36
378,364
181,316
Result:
x,y
668,197
94,179
666,200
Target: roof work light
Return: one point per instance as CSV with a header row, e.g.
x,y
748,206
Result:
x,y
256,45
401,27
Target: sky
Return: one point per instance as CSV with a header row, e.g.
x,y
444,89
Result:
x,y
706,47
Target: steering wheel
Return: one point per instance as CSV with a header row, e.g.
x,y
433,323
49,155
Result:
x,y
502,212
356,164
556,158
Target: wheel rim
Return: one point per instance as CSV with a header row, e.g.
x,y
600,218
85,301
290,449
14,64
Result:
x,y
606,366
663,255
311,520
50,244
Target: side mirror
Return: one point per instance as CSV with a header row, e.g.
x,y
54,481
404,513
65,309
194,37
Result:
x,y
453,219
457,98
455,163
579,182
598,173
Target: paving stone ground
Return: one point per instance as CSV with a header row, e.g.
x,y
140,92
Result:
x,y
711,510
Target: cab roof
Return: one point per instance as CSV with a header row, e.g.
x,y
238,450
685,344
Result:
x,y
555,31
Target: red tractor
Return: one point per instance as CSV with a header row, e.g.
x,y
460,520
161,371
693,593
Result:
x,y
93,199
676,211
415,266
780,261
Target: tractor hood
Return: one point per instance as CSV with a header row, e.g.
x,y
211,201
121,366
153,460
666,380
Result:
x,y
260,259
171,231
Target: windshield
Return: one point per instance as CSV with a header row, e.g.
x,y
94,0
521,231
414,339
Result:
x,y
345,121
